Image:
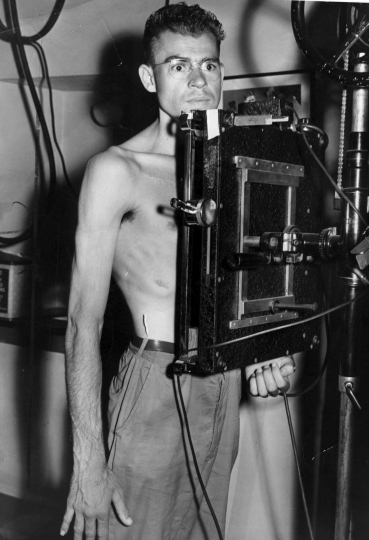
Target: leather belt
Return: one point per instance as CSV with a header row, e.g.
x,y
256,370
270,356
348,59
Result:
x,y
154,345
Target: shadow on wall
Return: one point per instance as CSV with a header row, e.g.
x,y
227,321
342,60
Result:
x,y
128,108
255,42
125,107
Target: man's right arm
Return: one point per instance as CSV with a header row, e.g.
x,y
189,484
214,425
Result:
x,y
101,208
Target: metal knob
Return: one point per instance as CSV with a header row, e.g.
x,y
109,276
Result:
x,y
202,212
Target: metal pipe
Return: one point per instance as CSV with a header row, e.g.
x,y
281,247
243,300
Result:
x,y
345,446
356,188
184,241
360,99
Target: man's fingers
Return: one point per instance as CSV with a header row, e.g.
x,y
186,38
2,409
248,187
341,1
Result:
x,y
79,524
253,387
271,378
103,529
287,366
282,383
260,383
121,508
270,383
90,529
68,516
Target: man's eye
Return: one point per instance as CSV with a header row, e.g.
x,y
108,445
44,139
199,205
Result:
x,y
179,67
210,66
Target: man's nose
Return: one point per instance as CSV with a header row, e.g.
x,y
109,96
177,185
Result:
x,y
197,77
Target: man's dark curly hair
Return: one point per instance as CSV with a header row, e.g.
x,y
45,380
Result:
x,y
180,19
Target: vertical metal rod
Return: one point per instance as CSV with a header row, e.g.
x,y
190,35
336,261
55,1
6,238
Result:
x,y
345,445
185,247
355,187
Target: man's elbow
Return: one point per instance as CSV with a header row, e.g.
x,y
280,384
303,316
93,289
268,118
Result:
x,y
82,327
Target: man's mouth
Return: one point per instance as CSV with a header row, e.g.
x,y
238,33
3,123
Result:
x,y
200,98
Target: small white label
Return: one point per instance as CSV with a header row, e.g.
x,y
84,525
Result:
x,y
212,123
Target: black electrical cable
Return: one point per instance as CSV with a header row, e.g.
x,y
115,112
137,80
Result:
x,y
36,101
45,70
195,460
12,8
294,446
324,366
7,34
300,128
277,328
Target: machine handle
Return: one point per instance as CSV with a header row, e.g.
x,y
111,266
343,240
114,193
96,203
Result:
x,y
349,391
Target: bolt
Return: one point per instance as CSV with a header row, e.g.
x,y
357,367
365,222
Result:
x,y
220,363
273,242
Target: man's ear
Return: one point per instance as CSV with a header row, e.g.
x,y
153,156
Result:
x,y
147,77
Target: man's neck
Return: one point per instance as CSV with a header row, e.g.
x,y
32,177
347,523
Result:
x,y
168,136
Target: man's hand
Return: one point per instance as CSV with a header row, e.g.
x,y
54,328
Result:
x,y
270,378
90,497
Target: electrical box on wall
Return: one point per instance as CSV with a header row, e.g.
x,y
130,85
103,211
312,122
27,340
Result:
x,y
15,286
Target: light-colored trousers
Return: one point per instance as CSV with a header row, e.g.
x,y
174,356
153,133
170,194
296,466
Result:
x,y
150,453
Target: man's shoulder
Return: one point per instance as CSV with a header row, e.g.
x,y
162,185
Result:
x,y
127,160
113,162
109,182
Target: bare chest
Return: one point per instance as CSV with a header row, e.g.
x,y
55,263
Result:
x,y
148,234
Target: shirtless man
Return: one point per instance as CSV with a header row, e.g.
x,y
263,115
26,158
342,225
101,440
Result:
x,y
121,232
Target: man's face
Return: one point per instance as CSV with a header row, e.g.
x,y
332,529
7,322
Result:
x,y
195,91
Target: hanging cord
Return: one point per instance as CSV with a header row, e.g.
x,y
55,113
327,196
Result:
x,y
36,101
195,460
294,446
300,128
45,71
7,34
325,362
34,281
278,328
14,36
